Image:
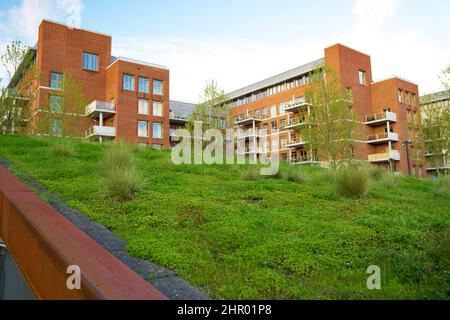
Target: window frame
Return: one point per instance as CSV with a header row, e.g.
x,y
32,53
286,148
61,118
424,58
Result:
x,y
362,73
139,106
124,82
60,82
147,88
153,108
51,103
85,65
153,130
146,131
153,87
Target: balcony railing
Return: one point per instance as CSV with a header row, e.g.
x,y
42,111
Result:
x,y
381,117
243,134
393,155
294,142
101,131
382,137
295,122
96,107
295,106
247,119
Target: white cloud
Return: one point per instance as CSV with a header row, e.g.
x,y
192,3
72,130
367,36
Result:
x,y
233,62
21,22
407,54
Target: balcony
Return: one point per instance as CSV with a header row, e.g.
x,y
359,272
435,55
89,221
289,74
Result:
x,y
381,138
303,161
393,155
247,120
294,143
244,134
95,108
295,123
178,118
101,131
297,106
381,118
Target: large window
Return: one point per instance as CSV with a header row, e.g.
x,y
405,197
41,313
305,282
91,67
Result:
x,y
142,129
143,85
157,87
128,82
56,80
55,104
362,77
273,111
400,95
142,106
90,61
157,130
56,127
157,108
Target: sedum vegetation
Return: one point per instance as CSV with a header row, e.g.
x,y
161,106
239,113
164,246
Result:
x,y
234,237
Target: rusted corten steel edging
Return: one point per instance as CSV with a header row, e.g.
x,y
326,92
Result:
x,y
44,244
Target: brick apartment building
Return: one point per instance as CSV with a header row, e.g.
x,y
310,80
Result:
x,y
278,105
128,100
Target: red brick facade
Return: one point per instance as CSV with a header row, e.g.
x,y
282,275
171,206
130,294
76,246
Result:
x,y
383,123
61,49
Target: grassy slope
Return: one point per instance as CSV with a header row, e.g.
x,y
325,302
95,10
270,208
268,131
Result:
x,y
259,239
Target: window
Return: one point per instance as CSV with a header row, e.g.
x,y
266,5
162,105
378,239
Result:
x,y
362,77
56,80
283,142
157,146
90,61
282,106
264,113
55,104
157,108
413,98
408,101
142,129
273,111
157,87
400,96
143,144
157,130
142,106
274,127
143,85
128,82
56,127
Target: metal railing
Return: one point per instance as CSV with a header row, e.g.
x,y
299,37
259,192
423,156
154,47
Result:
x,y
384,115
100,106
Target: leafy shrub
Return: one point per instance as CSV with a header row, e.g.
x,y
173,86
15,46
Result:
x,y
442,187
121,179
62,149
352,181
252,173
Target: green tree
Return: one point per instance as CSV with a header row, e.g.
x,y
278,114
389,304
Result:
x,y
331,120
15,103
212,109
64,113
445,78
436,132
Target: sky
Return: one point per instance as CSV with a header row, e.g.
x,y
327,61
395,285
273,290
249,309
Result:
x,y
239,42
